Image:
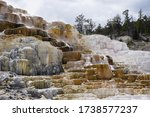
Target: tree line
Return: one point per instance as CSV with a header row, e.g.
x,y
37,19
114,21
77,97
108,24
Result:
x,y
116,26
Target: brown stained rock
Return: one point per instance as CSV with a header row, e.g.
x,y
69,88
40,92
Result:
x,y
9,25
134,85
57,80
26,32
93,85
104,72
77,70
58,85
131,77
92,77
79,81
77,75
144,77
146,83
71,56
118,80
119,73
90,74
41,84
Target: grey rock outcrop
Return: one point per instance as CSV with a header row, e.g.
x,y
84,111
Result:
x,y
30,56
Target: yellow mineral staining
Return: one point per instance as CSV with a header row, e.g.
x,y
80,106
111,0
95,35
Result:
x,y
23,66
119,73
103,71
131,77
41,84
61,30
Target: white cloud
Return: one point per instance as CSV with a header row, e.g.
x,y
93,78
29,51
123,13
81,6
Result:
x,y
67,10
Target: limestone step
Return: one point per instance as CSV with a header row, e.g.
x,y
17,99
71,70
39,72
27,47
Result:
x,y
40,84
77,70
77,75
77,96
71,65
119,73
71,56
93,84
33,78
79,81
131,77
58,85
144,77
145,82
102,70
74,89
135,85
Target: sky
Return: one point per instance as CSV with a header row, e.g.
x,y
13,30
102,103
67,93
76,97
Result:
x,y
67,10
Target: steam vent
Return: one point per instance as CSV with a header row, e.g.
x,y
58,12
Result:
x,y
52,60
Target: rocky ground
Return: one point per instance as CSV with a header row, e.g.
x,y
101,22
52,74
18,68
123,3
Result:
x,y
42,60
133,44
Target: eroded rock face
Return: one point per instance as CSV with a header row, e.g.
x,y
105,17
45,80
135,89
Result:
x,y
20,16
64,32
30,56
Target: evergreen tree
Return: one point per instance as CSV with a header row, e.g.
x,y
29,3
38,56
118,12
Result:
x,y
126,22
117,24
91,26
98,29
80,19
